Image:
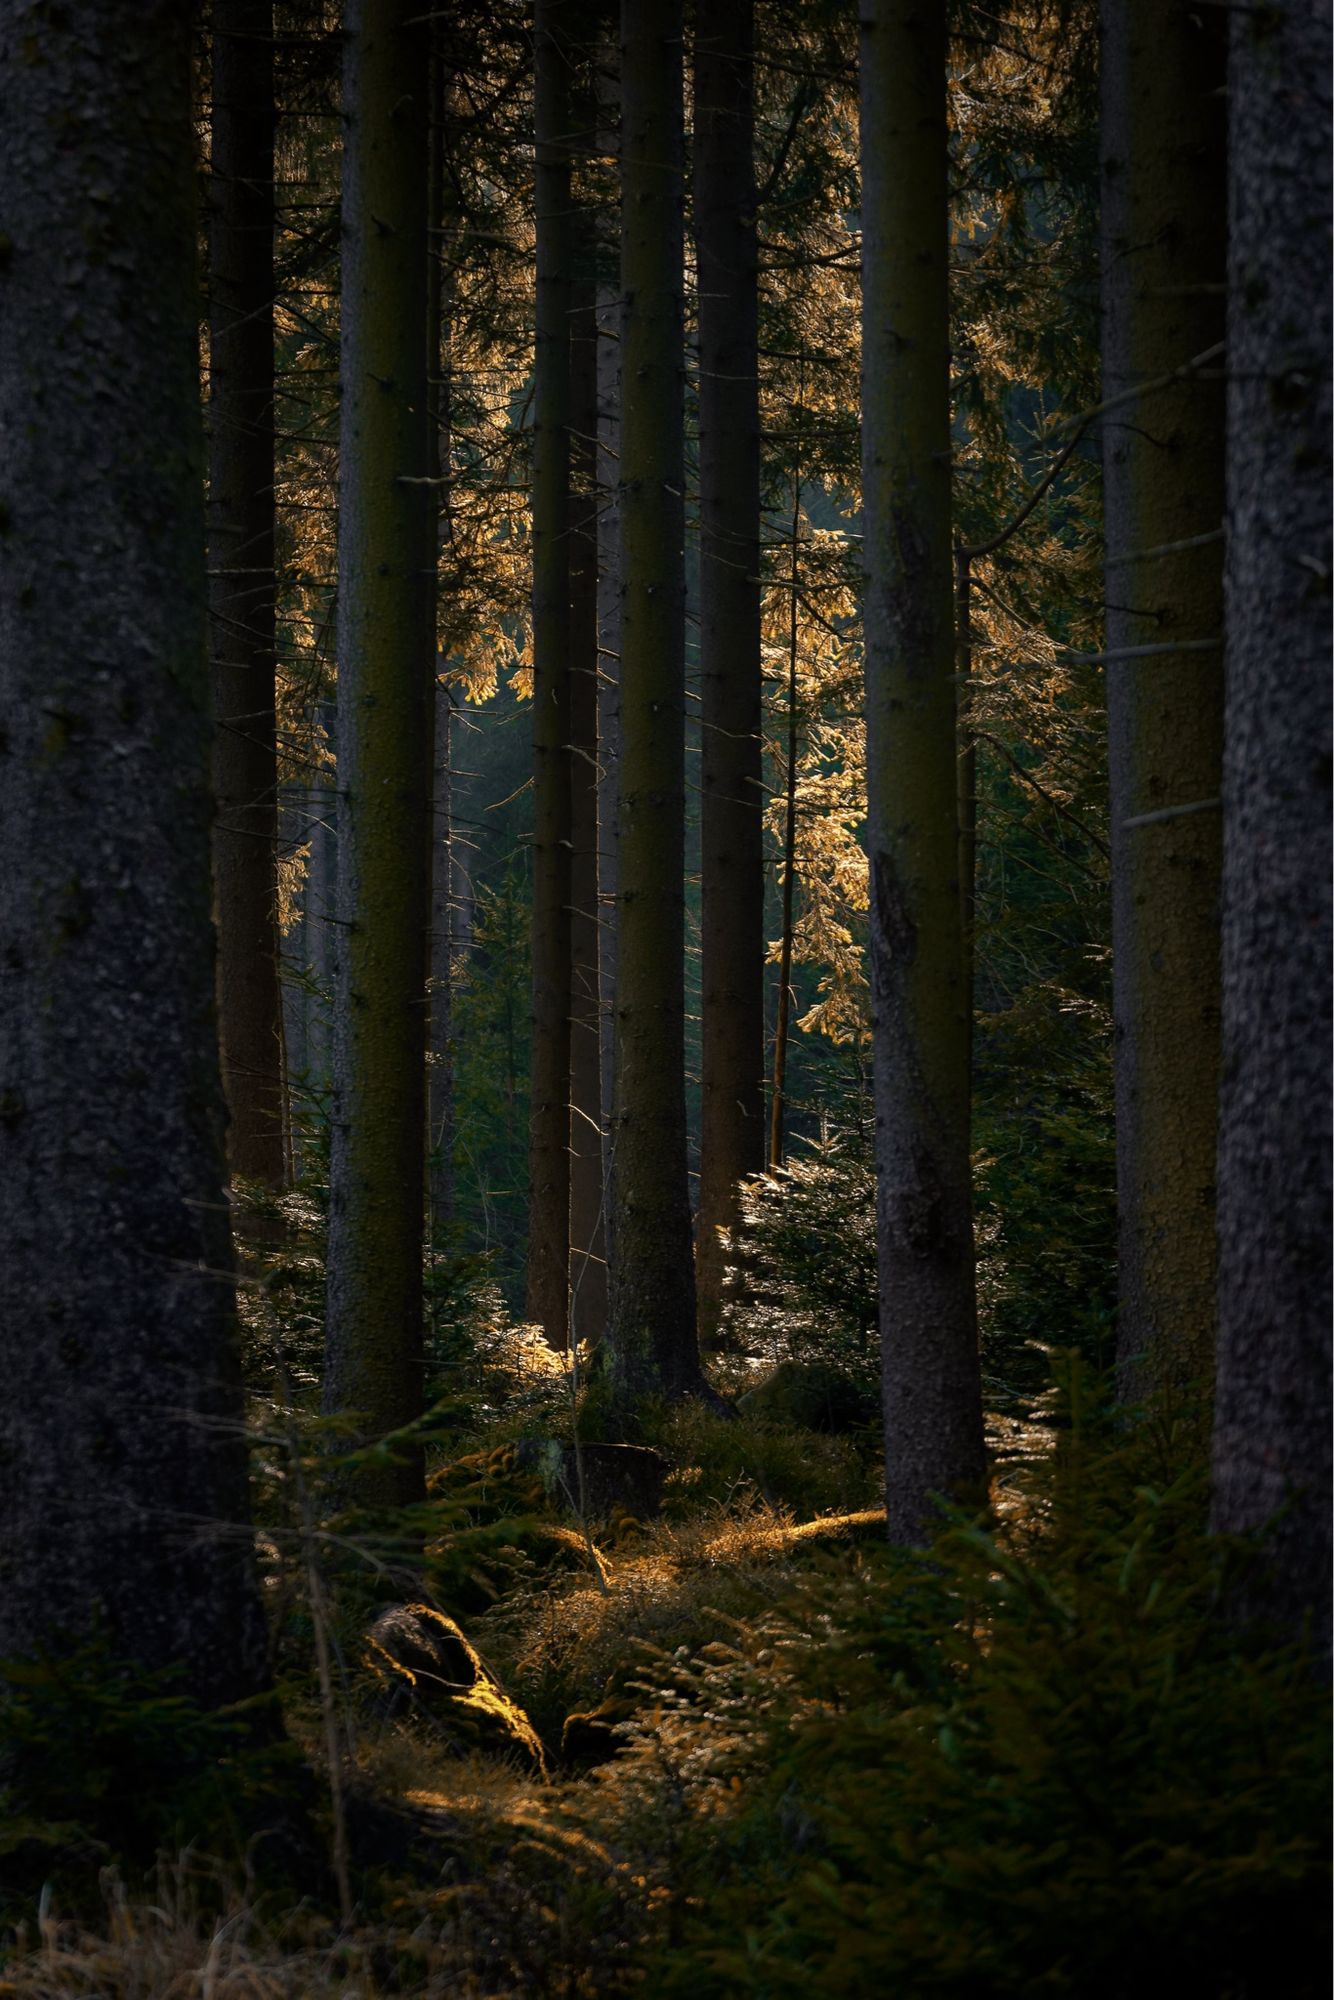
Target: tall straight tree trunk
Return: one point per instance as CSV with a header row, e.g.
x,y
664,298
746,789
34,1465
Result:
x,y
294,949
241,583
783,1013
549,1132
440,1079
322,910
921,1005
732,829
439,314
609,320
386,684
1164,229
1272,1432
652,1335
588,1267
125,1507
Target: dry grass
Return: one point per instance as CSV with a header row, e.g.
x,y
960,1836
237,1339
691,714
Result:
x,y
168,1948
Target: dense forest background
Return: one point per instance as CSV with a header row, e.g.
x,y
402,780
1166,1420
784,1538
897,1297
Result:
x,y
664,997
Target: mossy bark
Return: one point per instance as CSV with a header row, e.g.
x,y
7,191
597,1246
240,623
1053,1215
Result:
x,y
549,1128
242,583
386,684
122,1453
921,1005
732,801
1272,1426
1164,227
652,1334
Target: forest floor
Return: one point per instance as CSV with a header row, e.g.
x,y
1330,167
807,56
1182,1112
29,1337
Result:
x,y
728,1744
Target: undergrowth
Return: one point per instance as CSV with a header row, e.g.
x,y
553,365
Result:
x,y
739,1748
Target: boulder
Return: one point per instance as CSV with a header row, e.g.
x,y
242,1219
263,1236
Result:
x,y
422,1666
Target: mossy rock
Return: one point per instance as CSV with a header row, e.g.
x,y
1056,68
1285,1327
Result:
x,y
812,1396
421,1665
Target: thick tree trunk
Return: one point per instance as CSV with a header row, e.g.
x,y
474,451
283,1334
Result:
x,y
1164,226
386,652
922,1012
121,1440
549,1135
588,1267
241,583
652,1336
731,832
1272,1432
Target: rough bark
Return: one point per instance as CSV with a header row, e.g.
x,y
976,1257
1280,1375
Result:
x,y
1164,223
731,807
549,1129
921,1010
1272,1431
588,1267
241,583
386,650
121,1447
652,1334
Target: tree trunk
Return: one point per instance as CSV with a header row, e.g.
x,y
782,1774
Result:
x,y
121,1423
588,1266
241,583
386,561
439,313
1272,1432
777,1096
652,1334
440,1081
609,321
1164,220
322,912
549,1132
732,803
921,1010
